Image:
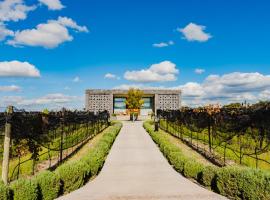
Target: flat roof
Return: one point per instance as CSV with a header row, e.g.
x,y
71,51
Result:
x,y
119,92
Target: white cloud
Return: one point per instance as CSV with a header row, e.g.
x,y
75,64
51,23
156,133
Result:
x,y
14,10
222,89
227,88
52,101
53,4
163,44
161,72
18,69
138,86
194,32
199,71
4,32
10,88
47,35
76,79
111,76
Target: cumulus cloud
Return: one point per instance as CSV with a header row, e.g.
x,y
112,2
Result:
x,y
76,79
139,86
52,101
194,32
199,71
111,76
10,88
47,35
161,72
223,89
4,32
53,4
18,69
163,44
14,10
227,88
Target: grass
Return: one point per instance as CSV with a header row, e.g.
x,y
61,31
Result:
x,y
202,140
26,168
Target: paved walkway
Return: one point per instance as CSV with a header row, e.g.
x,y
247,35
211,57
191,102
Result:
x,y
135,169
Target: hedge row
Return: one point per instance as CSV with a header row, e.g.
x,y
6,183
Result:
x,y
66,178
233,182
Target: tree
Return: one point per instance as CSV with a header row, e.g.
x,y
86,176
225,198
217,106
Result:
x,y
134,102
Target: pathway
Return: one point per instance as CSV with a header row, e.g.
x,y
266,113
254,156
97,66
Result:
x,y
135,169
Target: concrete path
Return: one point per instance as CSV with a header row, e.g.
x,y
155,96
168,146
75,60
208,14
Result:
x,y
135,169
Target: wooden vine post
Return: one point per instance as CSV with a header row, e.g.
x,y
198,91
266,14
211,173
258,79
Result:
x,y
7,141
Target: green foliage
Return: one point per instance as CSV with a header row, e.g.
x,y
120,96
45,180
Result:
x,y
207,176
239,183
66,178
134,99
49,185
233,182
24,189
192,169
72,175
4,192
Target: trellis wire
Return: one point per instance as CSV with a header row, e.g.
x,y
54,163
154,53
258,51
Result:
x,y
247,128
53,135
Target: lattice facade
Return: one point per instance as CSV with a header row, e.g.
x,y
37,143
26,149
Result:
x,y
99,100
168,102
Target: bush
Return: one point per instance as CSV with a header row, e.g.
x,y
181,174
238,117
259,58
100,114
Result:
x,y
207,176
23,189
48,184
72,175
233,182
239,183
192,169
4,191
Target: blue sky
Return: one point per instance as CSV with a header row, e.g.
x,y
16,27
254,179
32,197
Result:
x,y
215,51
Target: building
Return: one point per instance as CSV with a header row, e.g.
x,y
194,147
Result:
x,y
114,100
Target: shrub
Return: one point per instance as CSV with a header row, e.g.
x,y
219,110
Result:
x,y
4,191
233,182
239,183
180,163
23,189
192,169
72,175
48,184
207,176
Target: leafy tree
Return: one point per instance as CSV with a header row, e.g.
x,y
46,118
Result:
x,y
134,101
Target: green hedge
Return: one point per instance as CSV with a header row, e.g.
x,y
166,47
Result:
x,y
48,185
72,175
243,183
67,177
4,191
24,189
207,176
233,182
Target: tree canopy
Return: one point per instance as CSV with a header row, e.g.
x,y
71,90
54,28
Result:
x,y
134,99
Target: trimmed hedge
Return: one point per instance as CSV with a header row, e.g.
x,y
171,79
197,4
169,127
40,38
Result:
x,y
233,182
72,175
24,189
67,177
48,185
207,176
244,183
4,191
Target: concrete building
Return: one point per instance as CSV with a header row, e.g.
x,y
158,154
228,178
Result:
x,y
114,100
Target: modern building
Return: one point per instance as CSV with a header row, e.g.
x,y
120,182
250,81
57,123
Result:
x,y
114,100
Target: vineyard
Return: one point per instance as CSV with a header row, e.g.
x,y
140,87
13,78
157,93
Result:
x,y
43,140
238,134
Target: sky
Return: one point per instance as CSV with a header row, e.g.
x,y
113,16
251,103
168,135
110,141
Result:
x,y
52,50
